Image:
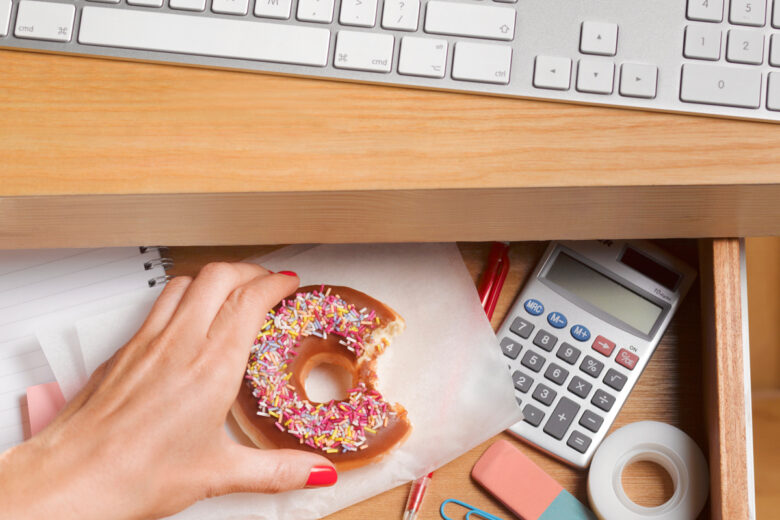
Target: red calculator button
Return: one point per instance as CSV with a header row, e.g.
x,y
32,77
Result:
x,y
603,346
627,359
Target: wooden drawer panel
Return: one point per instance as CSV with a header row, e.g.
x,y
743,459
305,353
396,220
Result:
x,y
695,381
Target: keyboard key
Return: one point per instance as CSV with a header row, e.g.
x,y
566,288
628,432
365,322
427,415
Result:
x,y
554,73
423,57
773,96
5,16
591,366
367,51
146,3
510,348
580,333
748,12
277,9
401,15
479,21
532,415
638,80
483,62
615,379
158,31
595,76
557,320
545,341
44,21
534,307
627,359
238,7
705,10
533,361
521,327
603,400
106,1
591,420
774,52
745,46
544,394
579,387
599,38
568,353
315,11
715,85
603,346
188,5
556,374
702,42
578,441
776,15
522,381
360,13
561,418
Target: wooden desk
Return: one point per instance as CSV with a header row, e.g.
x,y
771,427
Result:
x,y
670,389
97,152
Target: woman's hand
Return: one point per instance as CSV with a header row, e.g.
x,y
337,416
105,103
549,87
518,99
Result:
x,y
145,437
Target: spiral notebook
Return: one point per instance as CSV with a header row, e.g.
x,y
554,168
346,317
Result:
x,y
52,288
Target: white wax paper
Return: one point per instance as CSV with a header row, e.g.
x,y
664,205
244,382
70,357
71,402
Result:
x,y
445,369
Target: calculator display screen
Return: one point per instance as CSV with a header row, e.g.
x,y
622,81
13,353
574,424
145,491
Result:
x,y
604,293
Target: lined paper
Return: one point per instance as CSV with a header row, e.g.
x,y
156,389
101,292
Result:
x,y
53,288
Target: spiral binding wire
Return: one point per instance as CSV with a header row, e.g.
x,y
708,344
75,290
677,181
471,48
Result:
x,y
163,261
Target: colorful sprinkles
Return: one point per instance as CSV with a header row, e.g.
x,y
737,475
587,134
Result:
x,y
333,427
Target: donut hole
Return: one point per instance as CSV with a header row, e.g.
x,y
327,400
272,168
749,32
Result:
x,y
647,483
328,380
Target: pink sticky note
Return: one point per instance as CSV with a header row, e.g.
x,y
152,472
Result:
x,y
43,404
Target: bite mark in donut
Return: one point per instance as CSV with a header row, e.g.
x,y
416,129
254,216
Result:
x,y
336,325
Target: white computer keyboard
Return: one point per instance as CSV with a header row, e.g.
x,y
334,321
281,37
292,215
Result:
x,y
716,57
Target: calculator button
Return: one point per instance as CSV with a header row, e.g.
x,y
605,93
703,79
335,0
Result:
x,y
561,418
557,320
578,441
511,349
522,381
627,359
521,327
545,340
533,307
544,394
580,333
568,353
533,361
556,374
532,415
603,400
591,421
615,379
579,387
603,346
591,366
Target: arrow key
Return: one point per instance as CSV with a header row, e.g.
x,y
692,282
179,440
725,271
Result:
x,y
552,72
595,76
599,38
638,80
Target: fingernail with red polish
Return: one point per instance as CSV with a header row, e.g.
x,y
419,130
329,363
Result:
x,y
322,476
288,273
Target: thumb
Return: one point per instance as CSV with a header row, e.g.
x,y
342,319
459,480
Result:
x,y
252,470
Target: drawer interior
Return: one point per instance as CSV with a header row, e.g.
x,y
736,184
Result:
x,y
678,385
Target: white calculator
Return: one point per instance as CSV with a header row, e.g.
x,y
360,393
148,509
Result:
x,y
581,332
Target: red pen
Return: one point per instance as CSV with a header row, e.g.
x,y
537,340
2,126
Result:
x,y
490,284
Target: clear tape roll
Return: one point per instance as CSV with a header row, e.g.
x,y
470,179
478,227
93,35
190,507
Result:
x,y
667,446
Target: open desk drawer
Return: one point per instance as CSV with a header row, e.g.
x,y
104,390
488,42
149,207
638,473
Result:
x,y
697,380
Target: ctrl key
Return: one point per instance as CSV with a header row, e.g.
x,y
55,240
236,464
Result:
x,y
44,21
482,62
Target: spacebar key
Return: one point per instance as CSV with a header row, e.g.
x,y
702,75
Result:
x,y
204,36
716,85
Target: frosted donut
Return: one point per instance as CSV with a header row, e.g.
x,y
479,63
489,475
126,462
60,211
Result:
x,y
322,324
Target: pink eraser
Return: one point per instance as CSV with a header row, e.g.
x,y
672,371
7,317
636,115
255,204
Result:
x,y
44,402
524,487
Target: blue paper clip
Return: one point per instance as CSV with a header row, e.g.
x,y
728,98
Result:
x,y
477,513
